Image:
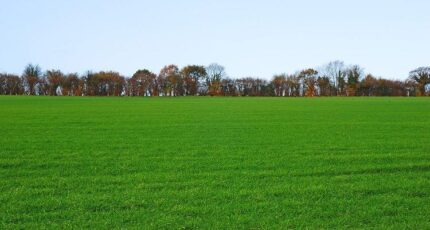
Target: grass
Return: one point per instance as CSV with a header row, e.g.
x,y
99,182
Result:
x,y
218,163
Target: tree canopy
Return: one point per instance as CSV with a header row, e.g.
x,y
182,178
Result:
x,y
333,79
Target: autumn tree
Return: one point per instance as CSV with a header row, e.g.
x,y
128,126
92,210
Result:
x,y
55,79
193,75
368,86
335,79
310,81
143,83
72,85
31,76
279,83
103,83
111,83
170,81
10,84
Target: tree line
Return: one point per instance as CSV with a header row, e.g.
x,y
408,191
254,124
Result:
x,y
332,79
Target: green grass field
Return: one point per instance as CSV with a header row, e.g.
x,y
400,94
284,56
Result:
x,y
218,163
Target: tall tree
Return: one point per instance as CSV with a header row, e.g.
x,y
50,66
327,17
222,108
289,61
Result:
x,y
353,75
71,85
421,76
279,83
336,71
55,81
294,85
31,76
170,81
324,86
42,86
310,81
369,86
410,87
215,73
229,87
193,75
144,83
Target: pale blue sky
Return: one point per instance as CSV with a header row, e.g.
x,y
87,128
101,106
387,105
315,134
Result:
x,y
250,38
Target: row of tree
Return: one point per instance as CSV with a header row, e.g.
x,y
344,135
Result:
x,y
333,79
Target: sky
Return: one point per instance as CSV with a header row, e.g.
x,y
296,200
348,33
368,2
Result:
x,y
250,38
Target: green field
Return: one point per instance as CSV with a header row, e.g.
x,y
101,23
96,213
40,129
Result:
x,y
218,163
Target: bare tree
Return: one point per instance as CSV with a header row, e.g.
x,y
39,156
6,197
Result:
x,y
215,73
335,70
229,87
421,76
